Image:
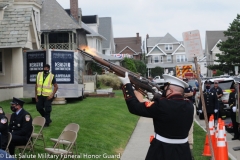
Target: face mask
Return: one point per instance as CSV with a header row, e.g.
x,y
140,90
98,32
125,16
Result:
x,y
13,108
207,87
46,71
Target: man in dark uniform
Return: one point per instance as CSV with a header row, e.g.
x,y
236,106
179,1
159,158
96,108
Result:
x,y
232,105
20,125
3,130
44,94
218,91
211,101
172,118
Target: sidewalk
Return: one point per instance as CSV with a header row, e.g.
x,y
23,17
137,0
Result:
x,y
138,144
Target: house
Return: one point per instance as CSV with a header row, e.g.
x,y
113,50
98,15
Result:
x,y
213,38
130,46
19,31
106,30
62,29
165,52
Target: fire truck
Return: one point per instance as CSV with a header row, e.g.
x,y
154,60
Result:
x,y
185,71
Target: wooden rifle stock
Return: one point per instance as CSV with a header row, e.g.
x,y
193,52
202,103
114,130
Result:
x,y
141,84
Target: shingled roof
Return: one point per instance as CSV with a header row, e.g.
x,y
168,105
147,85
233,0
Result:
x,y
14,27
212,37
54,17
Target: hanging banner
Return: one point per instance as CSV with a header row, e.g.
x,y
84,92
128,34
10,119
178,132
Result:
x,y
62,66
35,62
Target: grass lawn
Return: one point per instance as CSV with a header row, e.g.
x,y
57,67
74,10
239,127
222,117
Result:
x,y
105,125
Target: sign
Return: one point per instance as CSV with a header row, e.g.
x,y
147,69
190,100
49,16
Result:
x,y
35,62
62,66
214,72
192,43
236,70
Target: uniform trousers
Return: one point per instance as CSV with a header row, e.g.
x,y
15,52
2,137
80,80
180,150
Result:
x,y
235,124
16,141
44,107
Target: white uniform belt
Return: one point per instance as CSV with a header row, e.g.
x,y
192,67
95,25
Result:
x,y
171,141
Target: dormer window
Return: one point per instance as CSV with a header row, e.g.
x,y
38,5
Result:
x,y
168,47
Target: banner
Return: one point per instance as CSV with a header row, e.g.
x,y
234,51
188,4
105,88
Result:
x,y
35,62
63,66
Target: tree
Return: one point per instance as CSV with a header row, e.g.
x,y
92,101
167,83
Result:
x,y
230,48
157,71
141,67
129,64
95,68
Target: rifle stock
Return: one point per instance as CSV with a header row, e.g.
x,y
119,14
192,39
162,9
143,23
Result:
x,y
141,84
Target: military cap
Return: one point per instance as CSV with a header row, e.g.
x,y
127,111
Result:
x,y
174,81
17,101
207,82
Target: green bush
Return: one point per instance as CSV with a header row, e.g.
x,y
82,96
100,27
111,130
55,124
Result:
x,y
110,80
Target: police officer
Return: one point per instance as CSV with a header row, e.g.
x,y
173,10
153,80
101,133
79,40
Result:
x,y
3,130
44,93
218,91
20,125
211,100
172,118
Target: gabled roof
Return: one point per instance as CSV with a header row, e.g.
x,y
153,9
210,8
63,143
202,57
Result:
x,y
212,37
54,17
152,41
154,49
216,44
105,29
131,42
128,48
14,33
168,38
181,45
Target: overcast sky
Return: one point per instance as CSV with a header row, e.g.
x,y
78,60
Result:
x,y
159,17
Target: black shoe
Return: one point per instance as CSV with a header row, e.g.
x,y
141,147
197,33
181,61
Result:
x,y
46,125
235,138
50,121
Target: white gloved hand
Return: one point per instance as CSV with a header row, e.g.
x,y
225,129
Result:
x,y
200,111
125,79
234,108
156,90
150,95
215,110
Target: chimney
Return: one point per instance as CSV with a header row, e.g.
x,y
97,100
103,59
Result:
x,y
74,9
138,39
147,36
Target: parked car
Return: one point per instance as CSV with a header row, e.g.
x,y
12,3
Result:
x,y
225,84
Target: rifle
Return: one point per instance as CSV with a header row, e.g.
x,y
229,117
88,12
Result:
x,y
141,84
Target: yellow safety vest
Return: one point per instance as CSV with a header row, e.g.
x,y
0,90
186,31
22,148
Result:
x,y
44,88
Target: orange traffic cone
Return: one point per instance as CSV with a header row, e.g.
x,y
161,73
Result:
x,y
222,152
206,150
212,133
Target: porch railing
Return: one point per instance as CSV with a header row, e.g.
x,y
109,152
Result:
x,y
63,46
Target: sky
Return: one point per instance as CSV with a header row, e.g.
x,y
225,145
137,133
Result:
x,y
159,17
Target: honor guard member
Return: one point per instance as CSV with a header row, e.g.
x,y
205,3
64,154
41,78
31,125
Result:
x,y
20,125
172,118
232,105
44,94
211,100
3,130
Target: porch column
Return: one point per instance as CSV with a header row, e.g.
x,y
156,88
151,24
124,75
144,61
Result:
x,y
47,40
72,41
17,66
69,40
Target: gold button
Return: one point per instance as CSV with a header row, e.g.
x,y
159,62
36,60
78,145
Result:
x,y
127,95
124,86
126,90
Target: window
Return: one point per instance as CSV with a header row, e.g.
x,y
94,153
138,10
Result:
x,y
181,58
103,51
1,62
169,58
168,47
156,59
161,58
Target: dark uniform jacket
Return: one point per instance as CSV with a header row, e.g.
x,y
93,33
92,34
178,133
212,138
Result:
x,y
211,101
21,124
172,119
217,90
3,131
188,90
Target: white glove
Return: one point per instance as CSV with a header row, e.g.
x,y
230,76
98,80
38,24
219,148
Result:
x,y
156,90
215,110
234,108
124,80
150,95
200,111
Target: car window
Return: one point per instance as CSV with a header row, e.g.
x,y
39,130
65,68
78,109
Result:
x,y
192,83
